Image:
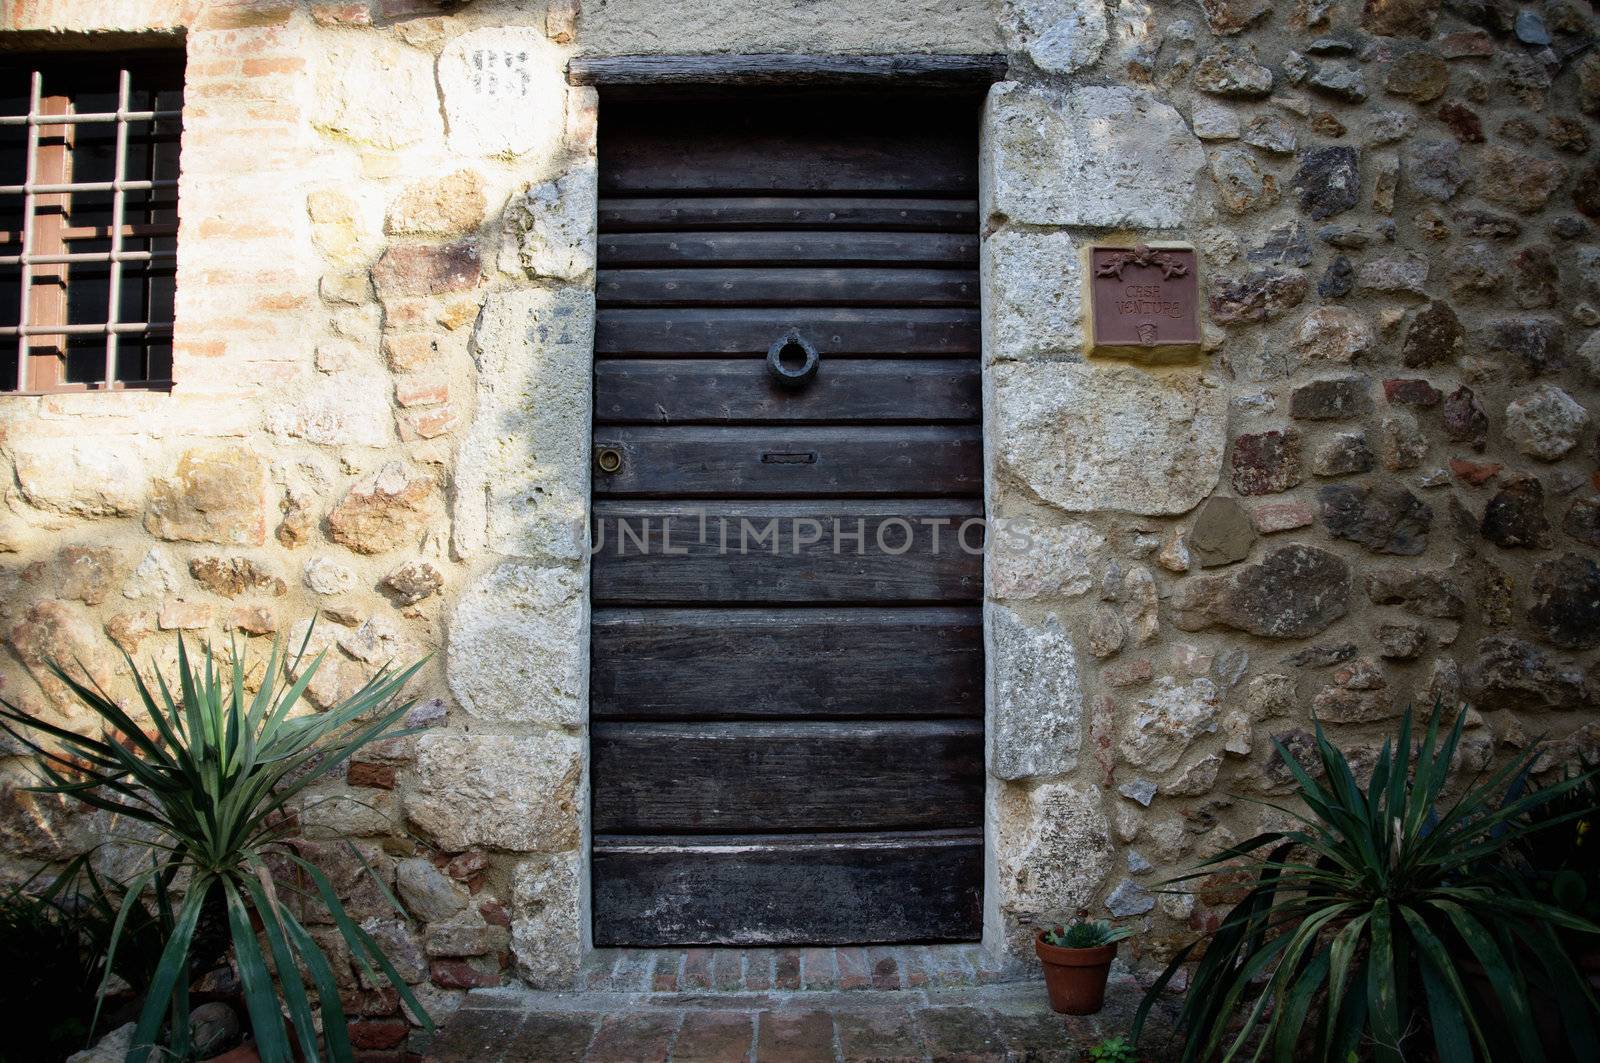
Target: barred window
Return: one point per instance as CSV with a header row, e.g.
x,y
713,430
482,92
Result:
x,y
88,220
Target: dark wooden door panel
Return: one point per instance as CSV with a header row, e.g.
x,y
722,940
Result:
x,y
689,390
776,461
786,287
732,249
740,777
780,213
915,332
806,663
765,160
767,889
787,637
752,552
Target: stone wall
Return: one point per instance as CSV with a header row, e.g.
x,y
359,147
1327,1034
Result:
x,y
1377,487
1377,490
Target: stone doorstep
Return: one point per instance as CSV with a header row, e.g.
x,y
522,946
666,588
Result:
x,y
878,968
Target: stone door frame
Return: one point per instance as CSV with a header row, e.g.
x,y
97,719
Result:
x,y
519,648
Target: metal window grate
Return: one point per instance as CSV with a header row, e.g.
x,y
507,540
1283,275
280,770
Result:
x,y
89,235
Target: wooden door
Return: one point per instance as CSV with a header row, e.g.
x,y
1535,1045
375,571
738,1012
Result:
x,y
787,726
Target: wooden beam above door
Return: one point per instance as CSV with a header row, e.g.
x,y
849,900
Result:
x,y
921,71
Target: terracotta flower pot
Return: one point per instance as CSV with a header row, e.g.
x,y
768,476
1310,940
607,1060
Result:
x,y
1075,978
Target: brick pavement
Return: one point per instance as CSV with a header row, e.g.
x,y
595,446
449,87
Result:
x,y
685,1006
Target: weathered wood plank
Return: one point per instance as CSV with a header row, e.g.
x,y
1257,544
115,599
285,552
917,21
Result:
x,y
744,777
816,663
777,147
867,286
732,249
831,213
788,70
758,552
755,890
839,333
677,391
784,461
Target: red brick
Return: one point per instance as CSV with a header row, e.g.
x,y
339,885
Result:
x,y
264,66
786,973
371,1003
854,972
878,1033
494,913
697,969
664,974
336,14
1269,517
795,1037
758,970
819,969
378,1033
714,1035
424,392
467,865
1475,473
425,423
553,1037
244,14
633,1035
459,974
959,1033
377,776
885,969
727,970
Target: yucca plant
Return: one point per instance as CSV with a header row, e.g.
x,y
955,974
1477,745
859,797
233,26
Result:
x,y
212,777
1388,912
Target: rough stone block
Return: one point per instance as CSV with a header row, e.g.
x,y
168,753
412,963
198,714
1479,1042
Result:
x,y
1112,156
1053,845
517,650
502,791
504,92
216,495
522,484
551,227
386,510
81,476
1168,721
545,920
374,90
342,409
1029,559
1033,295
1089,438
439,206
1035,702
1060,36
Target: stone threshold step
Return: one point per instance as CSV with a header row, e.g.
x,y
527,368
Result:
x,y
1011,996
761,970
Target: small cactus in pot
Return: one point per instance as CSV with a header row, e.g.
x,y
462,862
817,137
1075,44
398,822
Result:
x,y
1077,961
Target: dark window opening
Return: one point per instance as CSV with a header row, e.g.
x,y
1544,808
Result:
x,y
88,220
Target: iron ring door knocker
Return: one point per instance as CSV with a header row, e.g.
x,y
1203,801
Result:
x,y
791,344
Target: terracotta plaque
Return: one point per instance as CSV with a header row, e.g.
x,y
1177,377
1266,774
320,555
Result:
x,y
1143,302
